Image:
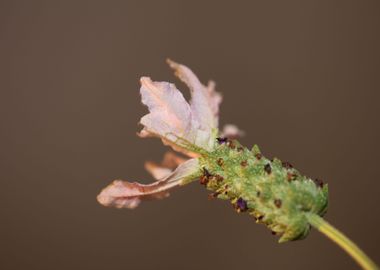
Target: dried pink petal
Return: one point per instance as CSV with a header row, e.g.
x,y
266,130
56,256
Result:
x,y
232,132
215,99
170,117
169,163
170,114
122,194
204,100
178,124
172,160
157,171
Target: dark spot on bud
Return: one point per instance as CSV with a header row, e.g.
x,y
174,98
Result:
x,y
260,217
206,173
222,140
268,168
258,193
273,233
205,177
291,176
241,205
318,182
220,162
287,165
258,156
219,178
240,149
213,195
231,144
203,180
244,163
278,203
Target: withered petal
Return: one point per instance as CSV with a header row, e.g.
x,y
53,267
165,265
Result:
x,y
186,128
123,194
168,164
204,100
232,132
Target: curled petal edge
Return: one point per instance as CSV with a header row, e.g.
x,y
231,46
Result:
x,y
171,117
123,194
204,101
168,164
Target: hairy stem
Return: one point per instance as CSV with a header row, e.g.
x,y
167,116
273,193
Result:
x,y
335,235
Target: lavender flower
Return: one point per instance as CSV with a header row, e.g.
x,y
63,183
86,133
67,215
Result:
x,y
270,190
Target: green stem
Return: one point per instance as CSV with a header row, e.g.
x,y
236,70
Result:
x,y
350,247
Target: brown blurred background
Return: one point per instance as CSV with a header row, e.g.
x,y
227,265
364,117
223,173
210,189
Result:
x,y
300,77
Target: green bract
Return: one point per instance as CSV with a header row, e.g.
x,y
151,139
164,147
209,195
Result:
x,y
273,192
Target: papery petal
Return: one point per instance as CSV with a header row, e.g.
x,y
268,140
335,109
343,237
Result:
x,y
215,99
232,132
189,129
204,100
169,163
122,194
171,118
171,160
157,171
170,114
